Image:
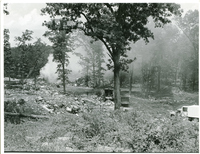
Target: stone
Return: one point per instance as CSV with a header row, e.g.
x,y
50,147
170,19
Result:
x,y
172,113
46,108
69,109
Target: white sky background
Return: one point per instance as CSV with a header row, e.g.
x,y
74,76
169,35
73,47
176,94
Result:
x,y
24,16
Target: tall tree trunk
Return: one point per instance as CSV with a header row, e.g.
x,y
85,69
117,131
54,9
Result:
x,y
93,74
87,75
131,80
35,82
117,97
99,73
63,69
184,82
99,79
23,66
22,78
159,71
193,80
175,76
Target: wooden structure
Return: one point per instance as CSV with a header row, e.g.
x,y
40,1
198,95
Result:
x,y
125,101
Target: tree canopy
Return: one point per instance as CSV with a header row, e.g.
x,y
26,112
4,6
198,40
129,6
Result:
x,y
115,24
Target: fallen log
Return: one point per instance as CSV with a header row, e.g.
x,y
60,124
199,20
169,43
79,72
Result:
x,y
14,86
26,115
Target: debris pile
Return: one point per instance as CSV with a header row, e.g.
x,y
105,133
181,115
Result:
x,y
49,100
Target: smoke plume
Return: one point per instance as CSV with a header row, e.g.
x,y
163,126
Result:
x,y
48,72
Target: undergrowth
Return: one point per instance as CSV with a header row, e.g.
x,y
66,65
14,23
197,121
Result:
x,y
137,132
128,131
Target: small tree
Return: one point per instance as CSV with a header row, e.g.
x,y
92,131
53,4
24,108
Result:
x,y
92,61
85,63
62,44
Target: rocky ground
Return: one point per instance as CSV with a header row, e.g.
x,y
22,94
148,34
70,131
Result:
x,y
43,119
49,100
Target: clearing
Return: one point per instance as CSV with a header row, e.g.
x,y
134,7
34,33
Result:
x,y
80,121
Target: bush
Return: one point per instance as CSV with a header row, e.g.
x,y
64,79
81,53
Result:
x,y
13,105
138,131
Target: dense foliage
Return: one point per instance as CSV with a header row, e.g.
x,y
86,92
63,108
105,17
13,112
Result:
x,y
137,132
108,132
27,58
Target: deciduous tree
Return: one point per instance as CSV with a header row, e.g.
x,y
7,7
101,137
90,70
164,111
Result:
x,y
62,44
116,25
92,59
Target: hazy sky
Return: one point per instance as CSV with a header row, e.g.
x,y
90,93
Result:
x,y
24,16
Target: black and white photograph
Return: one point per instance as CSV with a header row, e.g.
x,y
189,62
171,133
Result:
x,y
100,77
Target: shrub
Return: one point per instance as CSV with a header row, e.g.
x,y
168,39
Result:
x,y
164,135
138,131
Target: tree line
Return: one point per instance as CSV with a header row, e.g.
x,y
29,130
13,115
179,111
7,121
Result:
x,y
25,60
172,58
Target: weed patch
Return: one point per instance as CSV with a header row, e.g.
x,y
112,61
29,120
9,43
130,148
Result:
x,y
140,133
